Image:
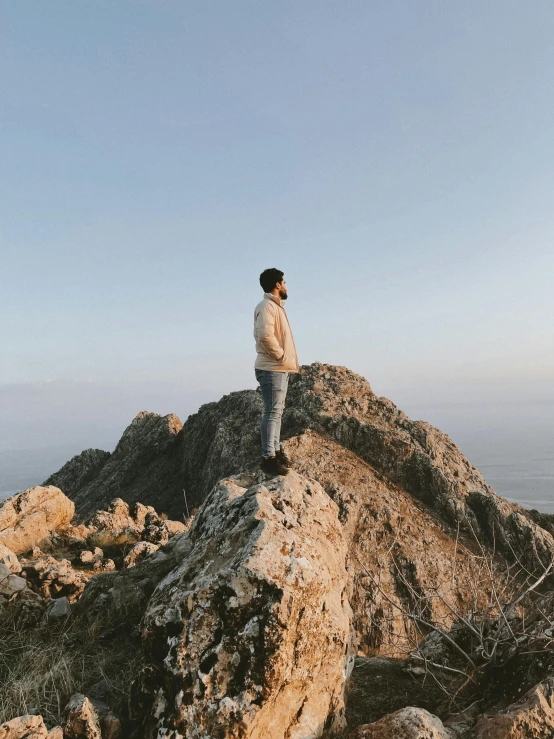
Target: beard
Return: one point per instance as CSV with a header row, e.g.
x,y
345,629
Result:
x,y
283,294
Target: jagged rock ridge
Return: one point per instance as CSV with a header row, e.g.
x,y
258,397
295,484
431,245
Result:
x,y
392,478
144,467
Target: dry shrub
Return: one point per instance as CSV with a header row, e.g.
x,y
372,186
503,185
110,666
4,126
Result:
x,y
106,539
504,621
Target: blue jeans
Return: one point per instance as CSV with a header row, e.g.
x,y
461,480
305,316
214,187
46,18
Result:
x,y
274,391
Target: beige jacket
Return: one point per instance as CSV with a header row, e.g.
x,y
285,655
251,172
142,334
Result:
x,y
273,335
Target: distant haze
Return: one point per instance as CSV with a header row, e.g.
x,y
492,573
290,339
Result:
x,y
510,441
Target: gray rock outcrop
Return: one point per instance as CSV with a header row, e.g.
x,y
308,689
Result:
x,y
79,471
145,467
222,438
10,584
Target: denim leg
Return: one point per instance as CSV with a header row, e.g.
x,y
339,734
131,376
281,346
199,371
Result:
x,y
274,390
282,394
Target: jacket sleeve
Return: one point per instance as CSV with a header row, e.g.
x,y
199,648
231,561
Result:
x,y
265,330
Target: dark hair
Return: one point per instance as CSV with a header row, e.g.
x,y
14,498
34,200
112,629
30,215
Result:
x,y
269,278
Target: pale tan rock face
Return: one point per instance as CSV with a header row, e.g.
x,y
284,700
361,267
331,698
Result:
x,y
29,517
408,723
383,525
250,634
24,727
530,718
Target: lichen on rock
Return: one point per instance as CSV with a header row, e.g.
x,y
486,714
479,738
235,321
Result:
x,y
250,635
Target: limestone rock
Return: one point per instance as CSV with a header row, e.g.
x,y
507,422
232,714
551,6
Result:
x,y
75,534
81,720
141,550
28,727
86,557
156,534
128,590
115,523
530,718
407,723
145,466
24,727
10,583
138,513
111,726
174,527
249,634
121,523
390,536
58,609
28,518
8,558
54,578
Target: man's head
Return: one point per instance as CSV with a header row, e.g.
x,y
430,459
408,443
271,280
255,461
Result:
x,y
273,281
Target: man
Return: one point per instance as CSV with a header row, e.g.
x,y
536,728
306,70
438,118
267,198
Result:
x,y
276,360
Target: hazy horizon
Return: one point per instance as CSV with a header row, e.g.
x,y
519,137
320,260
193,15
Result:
x,y
509,442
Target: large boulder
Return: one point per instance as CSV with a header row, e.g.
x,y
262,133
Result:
x,y
249,636
26,519
419,458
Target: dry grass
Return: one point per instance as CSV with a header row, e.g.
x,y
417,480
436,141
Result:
x,y
107,540
41,667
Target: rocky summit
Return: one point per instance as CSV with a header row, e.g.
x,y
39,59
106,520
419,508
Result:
x,y
380,589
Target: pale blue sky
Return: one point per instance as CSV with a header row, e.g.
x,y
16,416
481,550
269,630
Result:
x,y
395,159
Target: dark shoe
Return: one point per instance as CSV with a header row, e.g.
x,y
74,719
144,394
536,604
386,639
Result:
x,y
272,466
281,456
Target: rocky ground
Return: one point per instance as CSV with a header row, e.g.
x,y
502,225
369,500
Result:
x,y
380,589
